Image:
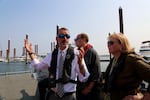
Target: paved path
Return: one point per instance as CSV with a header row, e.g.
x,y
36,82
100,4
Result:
x,y
18,87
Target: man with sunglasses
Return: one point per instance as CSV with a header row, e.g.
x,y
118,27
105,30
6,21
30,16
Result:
x,y
73,66
90,90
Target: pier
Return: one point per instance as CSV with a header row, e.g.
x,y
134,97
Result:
x,y
18,87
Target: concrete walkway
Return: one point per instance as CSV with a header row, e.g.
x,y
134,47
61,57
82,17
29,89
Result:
x,y
18,87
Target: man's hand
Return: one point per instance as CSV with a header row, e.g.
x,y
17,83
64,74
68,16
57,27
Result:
x,y
81,55
80,58
28,45
88,89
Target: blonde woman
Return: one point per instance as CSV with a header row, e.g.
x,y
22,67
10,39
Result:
x,y
126,70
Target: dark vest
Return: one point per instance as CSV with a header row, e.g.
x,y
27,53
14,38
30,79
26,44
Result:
x,y
66,67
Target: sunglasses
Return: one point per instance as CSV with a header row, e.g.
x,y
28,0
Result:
x,y
110,42
63,36
76,39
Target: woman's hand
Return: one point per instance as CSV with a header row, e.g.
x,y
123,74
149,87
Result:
x,y
85,91
139,96
146,96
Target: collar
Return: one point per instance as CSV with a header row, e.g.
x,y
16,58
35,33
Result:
x,y
87,47
65,50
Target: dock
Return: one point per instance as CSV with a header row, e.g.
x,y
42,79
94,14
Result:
x,y
18,87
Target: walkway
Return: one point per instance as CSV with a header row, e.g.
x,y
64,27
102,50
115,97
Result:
x,y
18,87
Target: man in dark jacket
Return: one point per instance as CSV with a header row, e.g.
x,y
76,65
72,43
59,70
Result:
x,y
89,90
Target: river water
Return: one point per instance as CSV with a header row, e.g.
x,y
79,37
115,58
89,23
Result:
x,y
14,67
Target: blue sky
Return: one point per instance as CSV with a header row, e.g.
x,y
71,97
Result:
x,y
39,18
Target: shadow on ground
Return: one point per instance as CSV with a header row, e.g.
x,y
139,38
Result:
x,y
2,98
26,96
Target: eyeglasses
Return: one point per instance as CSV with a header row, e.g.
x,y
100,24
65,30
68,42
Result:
x,y
63,36
76,39
110,42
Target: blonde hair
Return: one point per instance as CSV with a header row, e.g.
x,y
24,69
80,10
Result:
x,y
122,39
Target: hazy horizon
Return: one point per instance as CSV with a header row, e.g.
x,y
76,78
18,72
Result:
x,y
97,18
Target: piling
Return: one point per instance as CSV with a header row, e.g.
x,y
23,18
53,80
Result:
x,y
1,53
121,20
26,51
14,54
57,28
36,49
8,52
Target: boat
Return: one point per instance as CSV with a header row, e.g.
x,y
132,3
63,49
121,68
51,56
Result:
x,y
145,50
